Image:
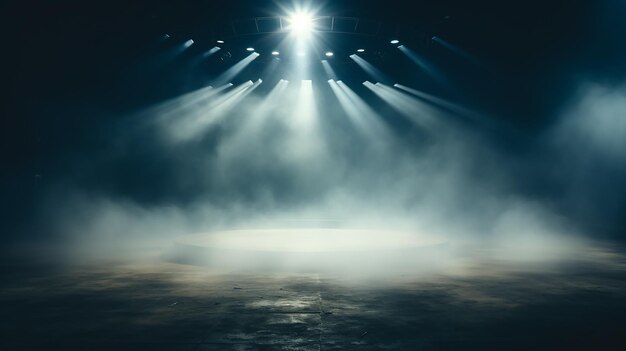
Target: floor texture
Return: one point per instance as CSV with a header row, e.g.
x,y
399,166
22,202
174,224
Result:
x,y
477,304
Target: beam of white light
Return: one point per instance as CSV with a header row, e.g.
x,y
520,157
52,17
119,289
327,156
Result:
x,y
224,97
304,139
351,110
413,109
198,59
180,105
301,27
344,102
211,51
233,71
330,72
305,110
369,120
451,106
168,56
249,129
369,68
271,99
245,92
269,103
270,67
469,57
426,66
188,43
196,122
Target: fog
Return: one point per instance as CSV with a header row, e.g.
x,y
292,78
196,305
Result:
x,y
343,156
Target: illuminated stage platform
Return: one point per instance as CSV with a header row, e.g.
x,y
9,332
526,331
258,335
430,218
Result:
x,y
311,249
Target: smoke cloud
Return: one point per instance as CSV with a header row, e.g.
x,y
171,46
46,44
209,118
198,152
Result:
x,y
289,156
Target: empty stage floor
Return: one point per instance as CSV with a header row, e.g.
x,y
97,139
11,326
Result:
x,y
475,304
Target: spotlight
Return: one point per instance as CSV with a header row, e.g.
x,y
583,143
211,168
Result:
x,y
188,43
220,42
360,50
275,53
329,54
301,23
395,41
250,49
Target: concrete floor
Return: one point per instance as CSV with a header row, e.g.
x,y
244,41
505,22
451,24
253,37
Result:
x,y
477,304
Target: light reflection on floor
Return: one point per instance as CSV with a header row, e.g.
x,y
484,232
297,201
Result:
x,y
477,303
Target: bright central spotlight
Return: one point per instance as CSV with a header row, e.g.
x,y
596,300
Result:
x,y
395,41
275,53
250,49
329,54
301,23
360,50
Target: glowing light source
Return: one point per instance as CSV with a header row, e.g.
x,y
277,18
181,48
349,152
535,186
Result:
x,y
275,53
188,43
329,54
360,50
301,23
250,49
395,41
300,53
220,42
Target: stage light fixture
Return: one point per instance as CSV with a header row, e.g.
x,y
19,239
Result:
x,y
329,54
360,50
220,42
188,43
395,41
250,49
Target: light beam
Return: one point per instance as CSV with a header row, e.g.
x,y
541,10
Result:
x,y
237,68
418,112
426,66
359,113
369,68
330,72
196,122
